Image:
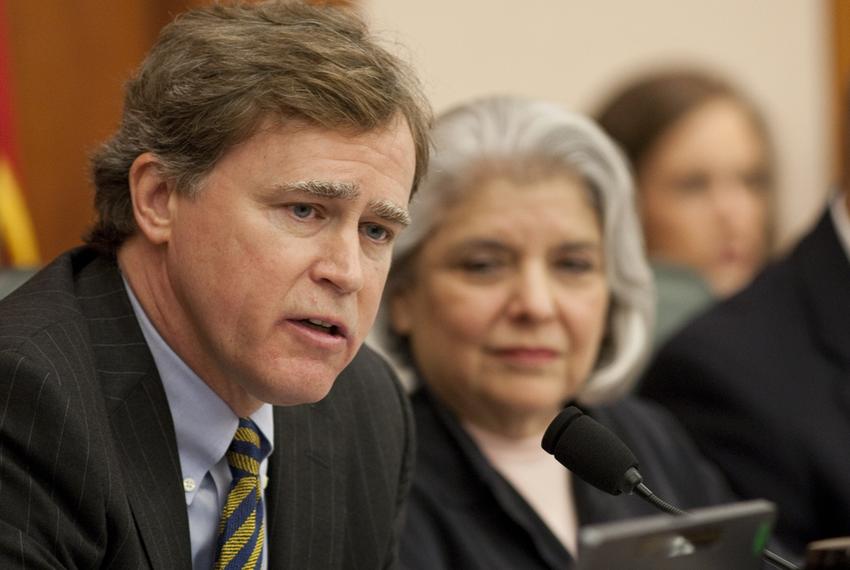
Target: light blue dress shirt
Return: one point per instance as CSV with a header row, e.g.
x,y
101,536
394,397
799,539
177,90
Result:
x,y
204,426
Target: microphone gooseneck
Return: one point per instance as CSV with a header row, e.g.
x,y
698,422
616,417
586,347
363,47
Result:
x,y
598,457
644,492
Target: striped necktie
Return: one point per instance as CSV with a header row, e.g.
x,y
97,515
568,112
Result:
x,y
241,529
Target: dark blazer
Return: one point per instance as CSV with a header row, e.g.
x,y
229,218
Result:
x,y
762,382
89,469
463,514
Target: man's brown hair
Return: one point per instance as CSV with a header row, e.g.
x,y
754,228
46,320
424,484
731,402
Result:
x,y
216,73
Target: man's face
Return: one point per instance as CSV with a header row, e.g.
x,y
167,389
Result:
x,y
276,266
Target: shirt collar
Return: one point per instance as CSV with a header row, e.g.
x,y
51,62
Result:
x,y
203,423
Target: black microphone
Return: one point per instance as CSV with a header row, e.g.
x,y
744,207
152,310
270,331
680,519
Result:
x,y
600,458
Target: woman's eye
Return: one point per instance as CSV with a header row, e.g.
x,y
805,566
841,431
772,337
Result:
x,y
693,184
302,211
376,232
757,182
574,265
481,265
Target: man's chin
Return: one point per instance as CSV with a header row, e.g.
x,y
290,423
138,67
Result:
x,y
302,389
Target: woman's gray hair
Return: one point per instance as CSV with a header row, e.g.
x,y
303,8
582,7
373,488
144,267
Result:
x,y
505,136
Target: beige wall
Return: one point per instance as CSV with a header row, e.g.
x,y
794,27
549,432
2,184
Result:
x,y
573,51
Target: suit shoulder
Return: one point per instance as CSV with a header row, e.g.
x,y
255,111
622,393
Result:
x,y
369,372
46,302
367,359
766,308
368,383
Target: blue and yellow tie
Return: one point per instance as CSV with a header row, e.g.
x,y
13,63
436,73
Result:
x,y
241,528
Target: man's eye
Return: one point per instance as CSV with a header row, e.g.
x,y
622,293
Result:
x,y
302,211
376,232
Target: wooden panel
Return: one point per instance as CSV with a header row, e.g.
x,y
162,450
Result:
x,y
840,16
69,61
165,10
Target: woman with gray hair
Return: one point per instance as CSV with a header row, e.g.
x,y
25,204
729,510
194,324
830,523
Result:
x,y
522,286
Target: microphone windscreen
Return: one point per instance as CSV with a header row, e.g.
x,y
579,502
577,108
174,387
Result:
x,y
589,449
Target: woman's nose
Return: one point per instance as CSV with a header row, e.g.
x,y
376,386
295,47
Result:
x,y
736,204
533,298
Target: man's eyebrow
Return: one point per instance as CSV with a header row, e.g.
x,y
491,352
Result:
x,y
324,189
390,212
384,209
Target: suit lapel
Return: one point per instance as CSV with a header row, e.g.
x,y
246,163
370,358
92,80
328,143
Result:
x,y
305,491
139,415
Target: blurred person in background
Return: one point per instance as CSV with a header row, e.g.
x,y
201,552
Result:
x,y
761,382
522,286
703,170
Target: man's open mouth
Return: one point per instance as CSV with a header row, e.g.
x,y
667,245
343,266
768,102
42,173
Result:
x,y
322,326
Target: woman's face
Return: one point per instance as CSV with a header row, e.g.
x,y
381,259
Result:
x,y
508,303
704,196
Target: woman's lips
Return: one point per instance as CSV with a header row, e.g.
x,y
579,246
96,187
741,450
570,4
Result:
x,y
526,356
730,256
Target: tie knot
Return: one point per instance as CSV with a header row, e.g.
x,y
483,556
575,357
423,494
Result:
x,y
246,451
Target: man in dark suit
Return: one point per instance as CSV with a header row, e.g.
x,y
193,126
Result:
x,y
762,382
189,389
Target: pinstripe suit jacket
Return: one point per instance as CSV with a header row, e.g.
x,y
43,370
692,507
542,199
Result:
x,y
89,469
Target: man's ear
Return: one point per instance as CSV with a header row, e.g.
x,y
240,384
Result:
x,y
153,196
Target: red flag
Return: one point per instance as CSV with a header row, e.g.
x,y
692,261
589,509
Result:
x,y
17,237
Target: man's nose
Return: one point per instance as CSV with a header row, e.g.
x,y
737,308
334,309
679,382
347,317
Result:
x,y
340,262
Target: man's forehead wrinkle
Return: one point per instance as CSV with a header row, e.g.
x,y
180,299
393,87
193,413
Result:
x,y
325,188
